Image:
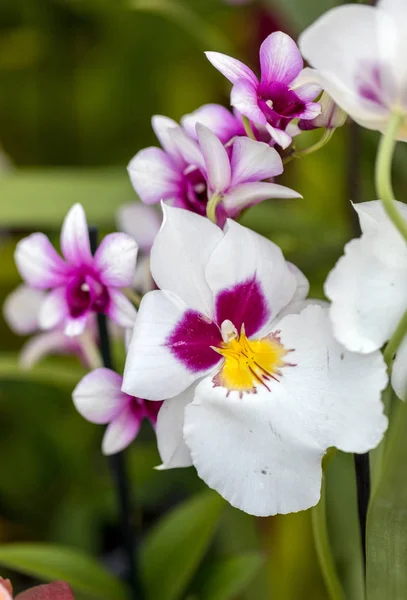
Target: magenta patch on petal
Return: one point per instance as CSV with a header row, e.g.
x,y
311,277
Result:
x,y
245,304
191,341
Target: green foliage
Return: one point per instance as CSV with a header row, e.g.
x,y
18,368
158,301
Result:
x,y
228,578
49,562
174,548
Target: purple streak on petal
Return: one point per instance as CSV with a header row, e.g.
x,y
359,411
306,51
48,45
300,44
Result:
x,y
243,304
280,59
191,340
38,262
231,68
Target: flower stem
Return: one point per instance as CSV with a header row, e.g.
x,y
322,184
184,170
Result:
x,y
321,540
395,341
90,351
362,471
248,128
212,206
324,139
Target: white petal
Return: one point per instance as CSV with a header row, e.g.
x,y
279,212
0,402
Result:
x,y
121,310
244,98
336,393
121,432
162,126
399,371
44,344
216,159
152,371
154,175
302,290
254,161
252,451
38,263
54,309
242,256
76,326
98,396
143,282
231,68
281,138
249,194
188,148
180,254
75,243
297,306
115,259
140,221
170,438
21,309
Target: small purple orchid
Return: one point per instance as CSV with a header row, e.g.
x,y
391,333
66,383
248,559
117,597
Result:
x,y
81,284
98,398
223,123
275,100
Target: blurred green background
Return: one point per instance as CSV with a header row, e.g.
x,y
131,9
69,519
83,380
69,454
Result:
x,y
79,82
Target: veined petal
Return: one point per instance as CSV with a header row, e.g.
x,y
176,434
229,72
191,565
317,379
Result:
x,y
282,138
257,282
180,254
399,371
21,309
140,221
121,432
216,159
188,148
164,358
115,260
38,262
231,68
170,438
162,126
249,194
154,175
98,396
253,161
252,451
75,243
121,310
217,118
280,59
54,309
311,111
244,98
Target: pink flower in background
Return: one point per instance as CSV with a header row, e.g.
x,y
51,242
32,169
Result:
x,y
142,223
98,398
223,123
57,590
275,100
81,284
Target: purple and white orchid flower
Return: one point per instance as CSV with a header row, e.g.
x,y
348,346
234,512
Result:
x,y
98,398
81,284
256,388
276,99
358,53
223,123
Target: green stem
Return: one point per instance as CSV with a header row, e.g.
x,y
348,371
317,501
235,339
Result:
x,y
321,540
248,128
395,341
133,296
211,207
384,187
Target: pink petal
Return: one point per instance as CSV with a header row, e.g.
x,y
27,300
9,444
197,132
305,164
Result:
x,y
121,432
249,194
75,327
75,243
215,117
121,310
21,309
141,222
188,148
216,159
231,68
162,126
115,260
154,175
38,263
44,344
280,59
254,161
244,98
57,590
282,138
98,396
312,110
54,309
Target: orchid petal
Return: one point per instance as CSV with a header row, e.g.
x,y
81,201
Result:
x,y
75,326
57,590
75,244
44,344
54,309
302,290
216,159
281,138
224,124
244,97
280,59
121,432
170,439
140,221
98,396
154,175
115,260
249,194
253,161
188,148
38,263
231,68
121,310
21,309
162,127
180,254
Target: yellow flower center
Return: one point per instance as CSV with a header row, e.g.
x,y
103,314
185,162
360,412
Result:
x,y
249,363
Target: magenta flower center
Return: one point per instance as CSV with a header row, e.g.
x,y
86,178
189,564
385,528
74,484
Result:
x,y
86,293
279,103
196,192
145,409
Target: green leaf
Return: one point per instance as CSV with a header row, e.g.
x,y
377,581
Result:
x,y
41,198
49,372
229,578
387,518
303,13
173,550
49,562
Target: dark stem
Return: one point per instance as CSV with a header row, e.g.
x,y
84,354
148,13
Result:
x,y
118,464
362,470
